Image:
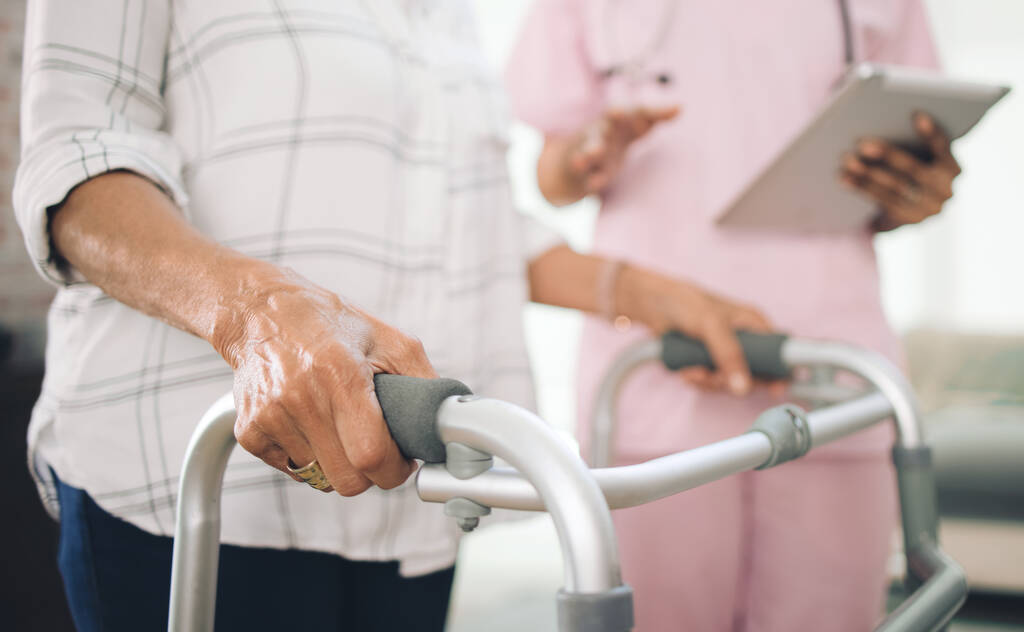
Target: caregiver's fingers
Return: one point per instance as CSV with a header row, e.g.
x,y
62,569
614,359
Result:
x,y
937,140
777,388
893,217
933,176
591,154
882,185
598,180
727,355
661,114
639,121
743,317
901,203
701,378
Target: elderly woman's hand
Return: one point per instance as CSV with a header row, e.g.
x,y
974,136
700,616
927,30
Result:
x,y
304,362
908,189
303,358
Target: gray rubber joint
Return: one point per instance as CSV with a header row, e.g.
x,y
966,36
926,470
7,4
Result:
x,y
917,456
787,429
464,462
609,611
466,512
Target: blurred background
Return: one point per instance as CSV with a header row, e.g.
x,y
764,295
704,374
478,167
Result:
x,y
953,287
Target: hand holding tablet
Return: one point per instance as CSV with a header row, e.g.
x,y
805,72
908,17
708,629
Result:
x,y
907,187
895,162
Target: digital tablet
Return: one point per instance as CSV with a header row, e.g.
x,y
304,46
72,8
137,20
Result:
x,y
800,190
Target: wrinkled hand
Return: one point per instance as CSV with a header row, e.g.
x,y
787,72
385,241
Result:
x,y
304,362
595,159
665,304
908,189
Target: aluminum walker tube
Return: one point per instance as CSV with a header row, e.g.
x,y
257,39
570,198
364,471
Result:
x,y
197,527
632,485
593,598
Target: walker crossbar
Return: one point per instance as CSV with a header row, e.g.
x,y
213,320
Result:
x,y
631,485
938,583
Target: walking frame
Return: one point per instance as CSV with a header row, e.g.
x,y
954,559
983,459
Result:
x,y
457,434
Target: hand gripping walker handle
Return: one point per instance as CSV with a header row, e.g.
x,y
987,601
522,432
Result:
x,y
413,410
410,407
762,351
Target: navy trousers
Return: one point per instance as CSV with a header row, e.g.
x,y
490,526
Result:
x,y
117,577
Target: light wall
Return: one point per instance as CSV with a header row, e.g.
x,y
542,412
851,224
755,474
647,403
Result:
x,y
965,269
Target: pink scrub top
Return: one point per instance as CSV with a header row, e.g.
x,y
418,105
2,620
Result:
x,y
748,75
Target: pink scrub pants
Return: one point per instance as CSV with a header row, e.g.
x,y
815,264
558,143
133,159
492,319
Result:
x,y
801,547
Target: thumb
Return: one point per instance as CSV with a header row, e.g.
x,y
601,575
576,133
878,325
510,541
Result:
x,y
657,115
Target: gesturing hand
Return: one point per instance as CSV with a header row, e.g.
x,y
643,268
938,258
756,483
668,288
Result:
x,y
304,362
908,189
595,159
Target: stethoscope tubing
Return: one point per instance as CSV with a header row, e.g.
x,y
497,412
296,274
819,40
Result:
x,y
629,66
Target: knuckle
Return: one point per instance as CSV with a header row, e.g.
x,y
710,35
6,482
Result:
x,y
369,456
289,401
391,484
251,440
275,422
414,346
717,329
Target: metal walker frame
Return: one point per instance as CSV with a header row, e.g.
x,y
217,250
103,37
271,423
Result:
x,y
457,433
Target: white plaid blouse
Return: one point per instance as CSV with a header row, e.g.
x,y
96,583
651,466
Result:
x,y
360,143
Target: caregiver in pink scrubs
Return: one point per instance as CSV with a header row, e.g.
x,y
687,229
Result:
x,y
703,94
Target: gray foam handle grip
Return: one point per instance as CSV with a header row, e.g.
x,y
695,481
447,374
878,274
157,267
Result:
x,y
763,353
410,406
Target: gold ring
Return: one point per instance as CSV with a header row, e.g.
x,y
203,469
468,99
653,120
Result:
x,y
311,474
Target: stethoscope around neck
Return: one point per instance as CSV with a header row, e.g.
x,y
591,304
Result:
x,y
635,68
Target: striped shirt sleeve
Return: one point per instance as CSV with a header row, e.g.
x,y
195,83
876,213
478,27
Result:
x,y
92,103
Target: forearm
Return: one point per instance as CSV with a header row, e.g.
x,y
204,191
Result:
x,y
303,359
554,178
127,237
565,278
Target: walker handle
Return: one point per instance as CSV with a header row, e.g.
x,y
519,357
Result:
x,y
410,406
762,351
